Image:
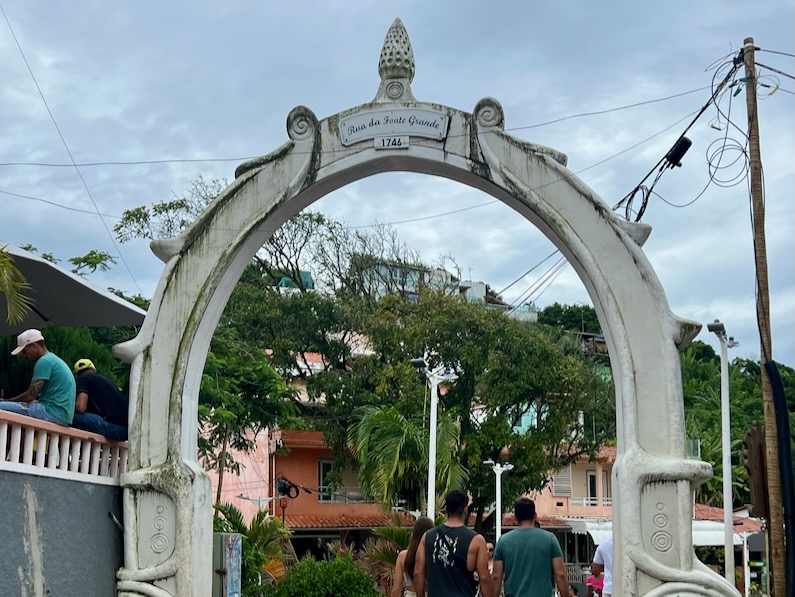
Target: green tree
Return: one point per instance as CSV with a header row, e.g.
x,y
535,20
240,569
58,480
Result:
x,y
516,387
528,389
12,287
166,219
572,318
240,394
331,578
392,453
266,546
701,390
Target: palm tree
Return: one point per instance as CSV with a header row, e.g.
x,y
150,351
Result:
x,y
266,543
12,283
379,553
392,452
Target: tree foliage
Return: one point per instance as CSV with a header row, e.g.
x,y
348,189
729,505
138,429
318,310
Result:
x,y
13,286
330,578
166,219
240,394
266,546
701,388
578,318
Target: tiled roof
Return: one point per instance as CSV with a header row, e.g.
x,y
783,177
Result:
x,y
739,523
343,521
546,522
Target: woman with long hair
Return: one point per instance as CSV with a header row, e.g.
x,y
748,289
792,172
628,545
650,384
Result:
x,y
403,579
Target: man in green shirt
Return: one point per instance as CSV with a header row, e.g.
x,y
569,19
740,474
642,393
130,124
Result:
x,y
51,395
529,557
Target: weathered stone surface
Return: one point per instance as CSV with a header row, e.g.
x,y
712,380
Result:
x,y
654,481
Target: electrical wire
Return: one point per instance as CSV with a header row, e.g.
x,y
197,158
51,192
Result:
x,y
66,147
732,65
54,203
534,287
246,158
552,278
421,218
775,70
528,272
775,52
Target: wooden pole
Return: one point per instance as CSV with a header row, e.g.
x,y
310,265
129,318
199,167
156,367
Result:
x,y
775,523
221,468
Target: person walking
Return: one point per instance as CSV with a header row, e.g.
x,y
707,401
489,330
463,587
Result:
x,y
403,578
51,394
528,557
595,584
99,407
449,555
603,562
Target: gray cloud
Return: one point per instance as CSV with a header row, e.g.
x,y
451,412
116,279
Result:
x,y
195,80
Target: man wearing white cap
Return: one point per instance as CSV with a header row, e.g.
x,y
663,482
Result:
x,y
51,395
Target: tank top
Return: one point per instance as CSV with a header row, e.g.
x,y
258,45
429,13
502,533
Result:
x,y
446,562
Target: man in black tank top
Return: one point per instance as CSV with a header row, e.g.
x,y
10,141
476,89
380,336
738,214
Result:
x,y
448,555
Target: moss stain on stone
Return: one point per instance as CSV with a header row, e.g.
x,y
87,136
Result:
x,y
274,156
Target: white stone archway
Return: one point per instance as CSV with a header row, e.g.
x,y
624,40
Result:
x,y
167,501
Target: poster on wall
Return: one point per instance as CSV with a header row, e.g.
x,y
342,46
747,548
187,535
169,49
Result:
x,y
233,552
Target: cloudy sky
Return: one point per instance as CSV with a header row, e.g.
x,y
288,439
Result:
x,y
151,95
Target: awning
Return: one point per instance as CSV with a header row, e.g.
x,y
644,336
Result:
x,y
63,298
599,529
705,532
709,532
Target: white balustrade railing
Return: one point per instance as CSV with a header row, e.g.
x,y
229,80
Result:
x,y
33,446
590,501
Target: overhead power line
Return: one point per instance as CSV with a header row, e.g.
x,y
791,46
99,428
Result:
x,y
409,220
66,147
245,158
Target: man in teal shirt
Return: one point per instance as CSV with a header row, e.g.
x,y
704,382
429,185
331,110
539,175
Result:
x,y
51,395
529,557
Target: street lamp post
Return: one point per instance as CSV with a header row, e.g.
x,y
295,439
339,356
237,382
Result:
x,y
725,344
498,469
435,377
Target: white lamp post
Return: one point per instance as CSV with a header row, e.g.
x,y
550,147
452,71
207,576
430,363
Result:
x,y
498,469
435,377
725,344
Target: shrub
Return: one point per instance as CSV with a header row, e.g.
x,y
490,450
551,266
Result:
x,y
333,578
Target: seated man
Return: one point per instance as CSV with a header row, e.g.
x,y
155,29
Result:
x,y
51,395
100,406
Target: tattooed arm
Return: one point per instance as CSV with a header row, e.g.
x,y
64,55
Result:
x,y
32,393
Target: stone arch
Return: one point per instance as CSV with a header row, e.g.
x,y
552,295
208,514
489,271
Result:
x,y
166,493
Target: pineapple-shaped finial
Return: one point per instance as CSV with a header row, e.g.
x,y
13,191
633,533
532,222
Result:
x,y
397,57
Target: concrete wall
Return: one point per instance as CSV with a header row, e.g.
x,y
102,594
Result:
x,y
56,537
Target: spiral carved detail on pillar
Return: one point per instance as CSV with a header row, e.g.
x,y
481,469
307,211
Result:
x,y
488,113
301,123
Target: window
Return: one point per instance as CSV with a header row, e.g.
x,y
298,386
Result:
x,y
592,493
561,482
323,472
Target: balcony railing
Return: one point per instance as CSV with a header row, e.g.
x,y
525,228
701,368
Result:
x,y
577,572
36,447
590,501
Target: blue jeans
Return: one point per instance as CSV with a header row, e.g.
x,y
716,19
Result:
x,y
96,424
31,409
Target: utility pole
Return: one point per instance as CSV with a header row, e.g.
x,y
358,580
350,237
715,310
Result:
x,y
775,524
